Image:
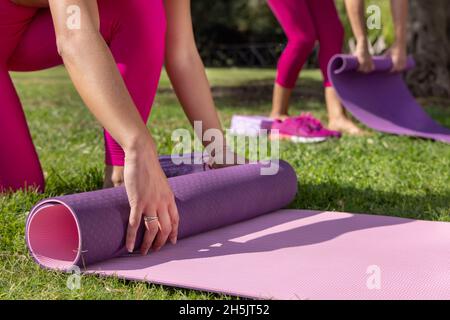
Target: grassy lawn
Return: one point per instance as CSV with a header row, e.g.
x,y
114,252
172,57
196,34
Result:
x,y
376,173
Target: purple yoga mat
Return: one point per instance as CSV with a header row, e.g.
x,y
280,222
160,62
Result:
x,y
381,100
85,228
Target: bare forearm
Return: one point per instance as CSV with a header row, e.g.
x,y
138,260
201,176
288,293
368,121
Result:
x,y
98,82
400,17
93,71
355,11
192,88
185,67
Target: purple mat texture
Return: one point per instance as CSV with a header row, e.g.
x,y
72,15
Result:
x,y
192,163
381,99
90,227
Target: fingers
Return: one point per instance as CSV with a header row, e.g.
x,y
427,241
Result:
x,y
152,228
362,68
366,67
165,228
365,62
175,220
158,231
133,225
398,67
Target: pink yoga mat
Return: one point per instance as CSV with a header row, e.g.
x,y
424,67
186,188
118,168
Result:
x,y
296,254
381,100
234,240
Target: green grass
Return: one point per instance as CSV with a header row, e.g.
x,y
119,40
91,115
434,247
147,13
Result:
x,y
377,173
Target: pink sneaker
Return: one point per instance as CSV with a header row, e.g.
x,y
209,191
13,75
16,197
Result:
x,y
317,125
303,129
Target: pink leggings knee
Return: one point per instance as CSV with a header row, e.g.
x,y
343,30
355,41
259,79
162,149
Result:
x,y
134,31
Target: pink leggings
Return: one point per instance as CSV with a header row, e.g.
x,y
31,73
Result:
x,y
304,22
134,31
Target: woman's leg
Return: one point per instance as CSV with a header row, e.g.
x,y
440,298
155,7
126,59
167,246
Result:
x,y
330,34
37,47
135,33
19,163
295,19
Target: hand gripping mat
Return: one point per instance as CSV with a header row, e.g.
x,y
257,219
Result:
x,y
234,241
381,100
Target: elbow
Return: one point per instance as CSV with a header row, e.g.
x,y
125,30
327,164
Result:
x,y
68,43
71,43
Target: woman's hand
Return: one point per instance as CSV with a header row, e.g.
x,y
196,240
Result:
x,y
355,12
364,58
399,57
149,195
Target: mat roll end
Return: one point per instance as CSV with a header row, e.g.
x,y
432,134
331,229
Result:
x,y
53,236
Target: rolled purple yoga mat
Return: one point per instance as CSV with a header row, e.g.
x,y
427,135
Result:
x,y
381,100
90,227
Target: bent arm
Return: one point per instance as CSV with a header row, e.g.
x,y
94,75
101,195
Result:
x,y
94,73
185,67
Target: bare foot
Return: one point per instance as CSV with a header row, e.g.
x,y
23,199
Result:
x,y
338,119
113,177
344,125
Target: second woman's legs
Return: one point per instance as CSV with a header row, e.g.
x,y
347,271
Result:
x,y
296,21
330,34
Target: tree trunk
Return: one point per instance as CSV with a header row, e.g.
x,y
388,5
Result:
x,y
428,41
